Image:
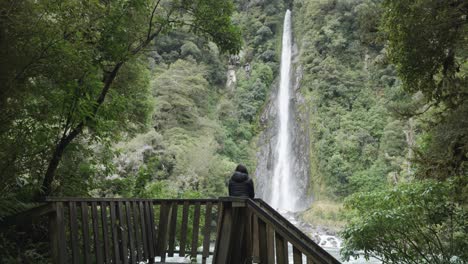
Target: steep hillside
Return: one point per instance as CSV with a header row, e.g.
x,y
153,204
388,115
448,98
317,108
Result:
x,y
357,143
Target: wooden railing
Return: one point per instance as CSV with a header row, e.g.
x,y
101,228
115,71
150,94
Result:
x,y
252,231
131,230
107,230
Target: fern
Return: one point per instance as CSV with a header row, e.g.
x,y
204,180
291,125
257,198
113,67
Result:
x,y
11,205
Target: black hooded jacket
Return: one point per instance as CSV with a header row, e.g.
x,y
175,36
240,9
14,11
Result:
x,y
241,185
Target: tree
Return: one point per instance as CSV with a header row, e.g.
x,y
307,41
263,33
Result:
x,y
432,61
65,77
180,95
423,221
412,223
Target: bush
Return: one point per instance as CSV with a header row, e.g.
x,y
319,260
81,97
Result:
x,y
190,49
420,222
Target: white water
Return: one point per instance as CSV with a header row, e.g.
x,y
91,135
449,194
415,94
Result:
x,y
283,196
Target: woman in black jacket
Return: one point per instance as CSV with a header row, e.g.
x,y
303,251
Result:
x,y
240,184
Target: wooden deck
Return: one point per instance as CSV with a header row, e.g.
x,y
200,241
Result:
x,y
225,231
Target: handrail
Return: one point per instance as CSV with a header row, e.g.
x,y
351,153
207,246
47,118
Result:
x,y
290,230
105,199
252,230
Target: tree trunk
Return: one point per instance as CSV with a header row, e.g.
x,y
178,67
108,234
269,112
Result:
x,y
49,177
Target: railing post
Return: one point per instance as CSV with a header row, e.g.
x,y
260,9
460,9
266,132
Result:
x,y
231,243
57,234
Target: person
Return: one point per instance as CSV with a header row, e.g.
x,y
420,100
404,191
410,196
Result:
x,y
240,184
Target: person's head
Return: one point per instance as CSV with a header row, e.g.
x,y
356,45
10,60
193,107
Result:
x,y
242,168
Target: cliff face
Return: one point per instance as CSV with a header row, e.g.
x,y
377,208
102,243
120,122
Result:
x,y
300,141
300,135
266,145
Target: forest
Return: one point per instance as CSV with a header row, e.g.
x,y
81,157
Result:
x,y
163,98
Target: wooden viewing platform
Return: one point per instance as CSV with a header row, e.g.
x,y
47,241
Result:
x,y
223,231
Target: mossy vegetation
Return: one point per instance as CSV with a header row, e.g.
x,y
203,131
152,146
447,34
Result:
x,y
326,214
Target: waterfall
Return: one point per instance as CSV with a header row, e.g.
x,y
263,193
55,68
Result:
x,y
282,190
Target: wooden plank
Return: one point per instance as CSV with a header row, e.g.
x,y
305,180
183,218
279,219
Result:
x,y
61,231
248,238
255,238
270,243
149,231
137,225
195,230
262,239
105,233
237,247
297,255
172,230
183,231
114,230
219,212
207,233
74,233
281,249
310,260
152,227
85,231
143,231
122,232
163,229
131,232
57,234
154,201
223,241
97,242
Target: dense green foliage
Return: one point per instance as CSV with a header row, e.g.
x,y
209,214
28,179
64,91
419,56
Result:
x,y
202,129
356,142
420,222
434,63
79,76
375,135
76,79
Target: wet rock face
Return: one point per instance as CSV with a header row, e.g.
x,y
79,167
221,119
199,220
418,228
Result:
x,y
300,141
266,145
231,79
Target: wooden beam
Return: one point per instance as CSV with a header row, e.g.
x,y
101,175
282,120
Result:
x,y
207,233
183,231
57,234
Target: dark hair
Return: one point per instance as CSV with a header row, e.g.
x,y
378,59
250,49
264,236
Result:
x,y
242,168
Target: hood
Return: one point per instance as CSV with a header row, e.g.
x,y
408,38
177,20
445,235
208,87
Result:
x,y
239,177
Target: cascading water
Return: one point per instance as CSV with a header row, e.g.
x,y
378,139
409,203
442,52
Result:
x,y
282,171
282,192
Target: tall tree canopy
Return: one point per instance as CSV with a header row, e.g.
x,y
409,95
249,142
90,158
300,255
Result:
x,y
71,71
428,45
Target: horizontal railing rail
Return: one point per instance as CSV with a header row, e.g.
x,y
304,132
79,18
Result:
x,y
155,201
